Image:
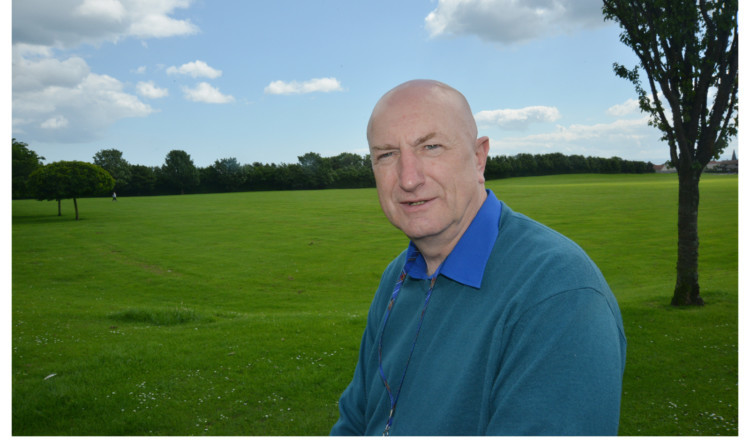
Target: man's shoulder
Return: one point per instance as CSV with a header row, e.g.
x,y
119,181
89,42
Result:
x,y
518,231
534,253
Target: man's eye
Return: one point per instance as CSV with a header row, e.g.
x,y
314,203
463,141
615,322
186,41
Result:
x,y
385,155
431,147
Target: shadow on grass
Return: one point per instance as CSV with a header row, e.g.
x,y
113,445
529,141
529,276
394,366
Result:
x,y
168,316
711,298
42,219
160,317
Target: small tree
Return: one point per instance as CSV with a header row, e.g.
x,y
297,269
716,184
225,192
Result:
x,y
25,162
65,180
689,52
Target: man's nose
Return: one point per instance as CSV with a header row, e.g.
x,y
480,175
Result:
x,y
411,174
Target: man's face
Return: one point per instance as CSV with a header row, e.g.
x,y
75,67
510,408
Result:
x,y
428,166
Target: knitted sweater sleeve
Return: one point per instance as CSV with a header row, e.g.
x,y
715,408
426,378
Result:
x,y
561,369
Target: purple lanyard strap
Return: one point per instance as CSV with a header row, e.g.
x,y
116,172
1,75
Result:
x,y
394,295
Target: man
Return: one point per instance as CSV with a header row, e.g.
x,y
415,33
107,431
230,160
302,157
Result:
x,y
489,323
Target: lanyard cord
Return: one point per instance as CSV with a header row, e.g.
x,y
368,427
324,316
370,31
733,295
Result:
x,y
396,289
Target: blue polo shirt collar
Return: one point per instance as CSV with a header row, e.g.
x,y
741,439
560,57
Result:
x,y
466,262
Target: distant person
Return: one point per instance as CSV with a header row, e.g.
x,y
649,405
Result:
x,y
489,323
114,196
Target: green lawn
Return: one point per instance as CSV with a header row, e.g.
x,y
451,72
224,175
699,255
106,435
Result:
x,y
241,314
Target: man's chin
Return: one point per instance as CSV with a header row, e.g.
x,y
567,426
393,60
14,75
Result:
x,y
418,235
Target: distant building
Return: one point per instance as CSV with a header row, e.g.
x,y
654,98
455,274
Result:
x,y
665,168
731,166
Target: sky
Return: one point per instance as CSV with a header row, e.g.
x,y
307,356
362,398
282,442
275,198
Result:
x,y
268,81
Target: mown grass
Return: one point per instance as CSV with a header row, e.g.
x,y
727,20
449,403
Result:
x,y
241,314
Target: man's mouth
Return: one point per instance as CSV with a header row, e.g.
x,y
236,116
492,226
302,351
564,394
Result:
x,y
417,203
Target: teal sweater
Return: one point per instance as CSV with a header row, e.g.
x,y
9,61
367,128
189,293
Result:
x,y
537,349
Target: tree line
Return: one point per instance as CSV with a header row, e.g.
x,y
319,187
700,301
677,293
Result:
x,y
179,175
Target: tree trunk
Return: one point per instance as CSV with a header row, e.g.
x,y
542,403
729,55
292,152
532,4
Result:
x,y
687,290
75,204
59,209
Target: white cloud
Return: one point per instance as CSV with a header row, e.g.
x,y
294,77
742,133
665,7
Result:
x,y
63,101
40,73
206,93
68,23
517,118
631,139
149,90
140,70
628,107
58,122
59,99
107,10
294,87
159,24
197,69
512,21
632,130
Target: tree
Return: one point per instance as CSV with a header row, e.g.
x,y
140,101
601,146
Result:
x,y
350,171
525,164
25,162
179,170
142,180
579,164
688,50
112,161
347,160
65,180
317,171
229,173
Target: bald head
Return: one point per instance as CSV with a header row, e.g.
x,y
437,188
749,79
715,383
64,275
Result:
x,y
424,91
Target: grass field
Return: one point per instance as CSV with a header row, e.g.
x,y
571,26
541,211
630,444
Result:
x,y
241,314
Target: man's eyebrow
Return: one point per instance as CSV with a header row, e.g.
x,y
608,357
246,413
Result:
x,y
385,147
417,142
421,140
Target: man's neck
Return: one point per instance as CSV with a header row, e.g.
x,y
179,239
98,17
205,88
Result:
x,y
434,262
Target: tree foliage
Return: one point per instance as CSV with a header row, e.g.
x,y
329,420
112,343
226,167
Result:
x,y
25,162
66,180
112,161
142,181
179,171
229,174
317,170
688,50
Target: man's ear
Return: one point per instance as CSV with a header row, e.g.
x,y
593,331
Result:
x,y
481,149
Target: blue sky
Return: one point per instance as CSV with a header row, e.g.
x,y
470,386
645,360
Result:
x,y
267,81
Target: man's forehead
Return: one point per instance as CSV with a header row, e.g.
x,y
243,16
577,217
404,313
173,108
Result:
x,y
416,117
